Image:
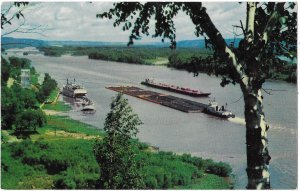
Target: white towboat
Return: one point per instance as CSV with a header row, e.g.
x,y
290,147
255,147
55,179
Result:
x,y
214,109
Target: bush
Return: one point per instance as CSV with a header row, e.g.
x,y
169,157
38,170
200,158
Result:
x,y
220,168
167,169
64,183
75,178
47,87
197,161
150,182
28,121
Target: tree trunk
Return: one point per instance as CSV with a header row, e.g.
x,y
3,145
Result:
x,y
256,140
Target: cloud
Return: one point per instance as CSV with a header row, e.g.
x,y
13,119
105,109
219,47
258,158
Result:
x,y
77,21
224,15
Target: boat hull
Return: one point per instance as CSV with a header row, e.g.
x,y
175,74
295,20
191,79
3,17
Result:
x,y
217,113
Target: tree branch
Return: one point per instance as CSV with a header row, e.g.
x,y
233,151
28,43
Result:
x,y
203,20
243,29
7,21
273,19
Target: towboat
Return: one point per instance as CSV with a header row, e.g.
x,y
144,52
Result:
x,y
214,109
176,89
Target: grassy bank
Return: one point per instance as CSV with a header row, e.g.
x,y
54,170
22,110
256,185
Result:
x,y
60,155
58,106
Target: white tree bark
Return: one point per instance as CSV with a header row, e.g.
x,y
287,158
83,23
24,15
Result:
x,y
256,142
256,129
251,8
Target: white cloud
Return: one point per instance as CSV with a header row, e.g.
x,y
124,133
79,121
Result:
x,y
224,15
77,21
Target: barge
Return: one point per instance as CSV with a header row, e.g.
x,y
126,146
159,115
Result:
x,y
176,89
167,100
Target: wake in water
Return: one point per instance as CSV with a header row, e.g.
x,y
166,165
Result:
x,y
237,120
241,121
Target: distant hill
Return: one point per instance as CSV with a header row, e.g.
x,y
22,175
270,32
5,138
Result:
x,y
85,43
9,42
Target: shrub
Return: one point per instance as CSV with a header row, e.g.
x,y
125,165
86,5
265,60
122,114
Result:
x,y
150,182
220,168
28,121
75,178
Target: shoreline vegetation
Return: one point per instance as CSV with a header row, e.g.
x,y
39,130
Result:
x,y
58,153
181,58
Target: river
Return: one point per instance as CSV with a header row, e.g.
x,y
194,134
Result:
x,y
194,133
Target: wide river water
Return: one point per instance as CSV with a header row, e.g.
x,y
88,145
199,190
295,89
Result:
x,y
195,133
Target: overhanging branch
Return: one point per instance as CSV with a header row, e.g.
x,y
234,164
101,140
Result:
x,y
273,19
201,18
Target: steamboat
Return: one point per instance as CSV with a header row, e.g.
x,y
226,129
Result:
x,y
71,89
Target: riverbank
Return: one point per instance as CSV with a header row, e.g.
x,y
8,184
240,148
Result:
x,y
60,156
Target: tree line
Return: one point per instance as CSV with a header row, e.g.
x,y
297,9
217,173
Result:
x,y
134,55
20,106
279,70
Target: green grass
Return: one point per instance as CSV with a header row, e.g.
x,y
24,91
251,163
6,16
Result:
x,y
10,82
53,95
158,61
208,181
58,106
69,125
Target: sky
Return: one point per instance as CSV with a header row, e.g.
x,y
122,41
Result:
x,y
77,21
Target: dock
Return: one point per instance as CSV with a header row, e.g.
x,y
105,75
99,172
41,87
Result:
x,y
162,99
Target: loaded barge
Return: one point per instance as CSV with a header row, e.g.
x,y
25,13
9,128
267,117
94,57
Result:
x,y
172,101
176,89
